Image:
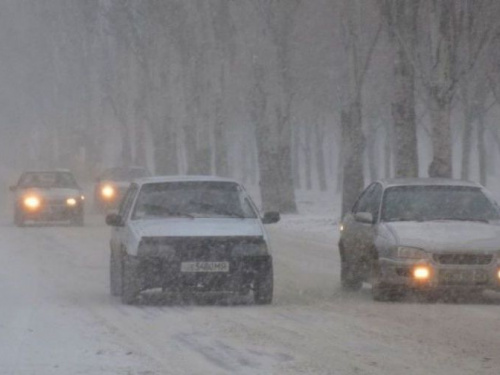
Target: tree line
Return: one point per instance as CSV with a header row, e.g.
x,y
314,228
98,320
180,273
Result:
x,y
282,94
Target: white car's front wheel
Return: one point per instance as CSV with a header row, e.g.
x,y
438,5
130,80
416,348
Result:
x,y
115,274
130,280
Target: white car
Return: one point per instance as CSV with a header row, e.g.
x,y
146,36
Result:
x,y
431,235
193,234
48,195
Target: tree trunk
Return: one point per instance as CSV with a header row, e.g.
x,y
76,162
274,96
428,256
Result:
x,y
296,157
220,146
165,150
466,134
371,153
441,165
481,149
403,30
353,151
320,157
307,158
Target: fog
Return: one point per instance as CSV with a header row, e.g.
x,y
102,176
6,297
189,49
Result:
x,y
253,90
305,102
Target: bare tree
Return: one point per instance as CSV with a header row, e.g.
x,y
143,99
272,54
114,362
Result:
x,y
358,50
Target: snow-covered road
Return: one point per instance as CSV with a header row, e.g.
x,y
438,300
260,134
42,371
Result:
x,y
56,317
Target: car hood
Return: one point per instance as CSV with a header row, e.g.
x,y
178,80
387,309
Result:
x,y
446,236
198,227
54,193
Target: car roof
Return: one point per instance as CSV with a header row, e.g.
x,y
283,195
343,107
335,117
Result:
x,y
391,182
181,178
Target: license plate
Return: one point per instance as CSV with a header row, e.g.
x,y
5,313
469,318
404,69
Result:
x,y
463,277
205,267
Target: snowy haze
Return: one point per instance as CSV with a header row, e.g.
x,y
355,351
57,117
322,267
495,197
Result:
x,y
249,89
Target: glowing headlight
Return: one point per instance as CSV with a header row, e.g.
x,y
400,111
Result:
x,y
498,274
82,197
71,202
108,191
341,227
32,202
410,253
421,273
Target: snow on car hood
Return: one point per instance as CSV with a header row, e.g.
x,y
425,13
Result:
x,y
198,227
54,193
442,236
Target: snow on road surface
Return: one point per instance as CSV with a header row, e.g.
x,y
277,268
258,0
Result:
x,y
56,317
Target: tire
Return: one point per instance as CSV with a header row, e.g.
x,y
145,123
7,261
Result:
x,y
115,274
350,277
18,218
130,280
264,285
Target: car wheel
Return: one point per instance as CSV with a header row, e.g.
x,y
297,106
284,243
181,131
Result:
x,y
351,277
264,285
131,283
115,274
18,218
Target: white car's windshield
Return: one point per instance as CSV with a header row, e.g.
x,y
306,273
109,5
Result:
x,y
427,203
193,199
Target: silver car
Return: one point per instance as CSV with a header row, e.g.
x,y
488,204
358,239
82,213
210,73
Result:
x,y
190,235
430,235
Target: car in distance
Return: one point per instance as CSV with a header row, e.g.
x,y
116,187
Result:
x,y
111,185
430,235
48,196
190,235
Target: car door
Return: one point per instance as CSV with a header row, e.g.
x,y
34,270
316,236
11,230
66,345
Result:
x,y
358,237
119,234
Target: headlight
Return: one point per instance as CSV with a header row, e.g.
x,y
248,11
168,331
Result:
x,y
82,197
405,252
32,202
108,191
71,202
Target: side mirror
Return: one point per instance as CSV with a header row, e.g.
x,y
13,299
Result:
x,y
364,217
13,188
114,220
271,217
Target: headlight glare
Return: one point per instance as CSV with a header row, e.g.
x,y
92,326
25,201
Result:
x,y
32,202
71,202
108,191
405,252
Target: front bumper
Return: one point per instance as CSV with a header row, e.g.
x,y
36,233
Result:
x,y
460,277
52,212
167,274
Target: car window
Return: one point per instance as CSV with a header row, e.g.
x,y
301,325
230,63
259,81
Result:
x,y
46,180
374,201
427,203
200,199
363,203
127,201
